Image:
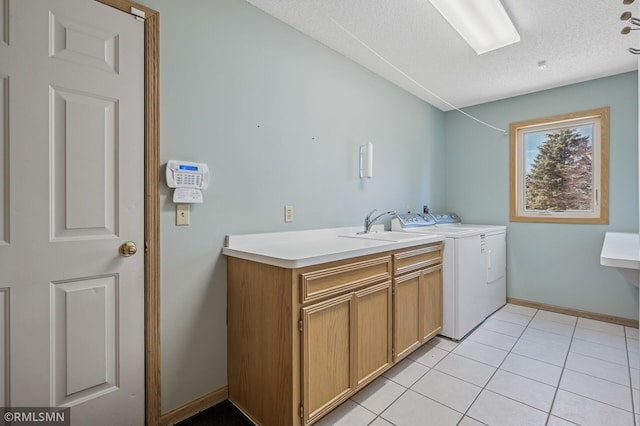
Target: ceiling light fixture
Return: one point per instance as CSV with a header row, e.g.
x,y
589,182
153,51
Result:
x,y
484,24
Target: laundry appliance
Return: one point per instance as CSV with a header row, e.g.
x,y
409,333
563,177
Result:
x,y
473,268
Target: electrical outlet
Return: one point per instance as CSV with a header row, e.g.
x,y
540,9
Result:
x,y
182,214
288,214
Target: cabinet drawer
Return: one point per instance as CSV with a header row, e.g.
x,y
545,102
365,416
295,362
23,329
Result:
x,y
411,260
325,282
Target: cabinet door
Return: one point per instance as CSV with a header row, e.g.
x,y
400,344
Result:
x,y
431,302
327,340
373,332
406,314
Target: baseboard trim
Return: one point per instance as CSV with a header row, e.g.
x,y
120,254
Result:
x,y
575,312
194,407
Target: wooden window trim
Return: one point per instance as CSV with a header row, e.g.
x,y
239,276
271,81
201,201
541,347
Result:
x,y
603,190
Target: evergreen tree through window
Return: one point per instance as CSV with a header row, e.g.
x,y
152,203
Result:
x,y
559,168
561,176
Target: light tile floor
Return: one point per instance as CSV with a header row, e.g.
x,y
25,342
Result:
x,y
522,366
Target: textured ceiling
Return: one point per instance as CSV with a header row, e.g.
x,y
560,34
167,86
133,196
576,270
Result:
x,y
410,44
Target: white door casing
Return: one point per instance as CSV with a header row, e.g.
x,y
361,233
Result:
x,y
71,192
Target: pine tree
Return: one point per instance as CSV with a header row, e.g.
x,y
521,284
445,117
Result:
x,y
561,174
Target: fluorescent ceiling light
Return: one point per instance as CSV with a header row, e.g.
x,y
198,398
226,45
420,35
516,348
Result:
x,y
484,24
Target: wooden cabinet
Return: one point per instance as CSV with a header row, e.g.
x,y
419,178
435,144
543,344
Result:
x,y
346,343
417,307
431,299
373,329
406,313
302,341
327,339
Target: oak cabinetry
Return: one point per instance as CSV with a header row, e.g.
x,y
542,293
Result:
x,y
301,341
373,332
346,343
327,354
417,309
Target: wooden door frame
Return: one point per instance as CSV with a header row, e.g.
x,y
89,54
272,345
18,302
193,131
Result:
x,y
151,204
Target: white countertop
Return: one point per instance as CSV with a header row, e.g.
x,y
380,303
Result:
x,y
621,250
297,249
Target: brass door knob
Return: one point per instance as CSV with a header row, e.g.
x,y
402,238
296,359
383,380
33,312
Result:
x,y
128,249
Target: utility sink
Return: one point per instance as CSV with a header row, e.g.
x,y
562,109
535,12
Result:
x,y
621,250
390,236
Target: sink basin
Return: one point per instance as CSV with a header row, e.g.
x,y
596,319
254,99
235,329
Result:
x,y
621,250
390,236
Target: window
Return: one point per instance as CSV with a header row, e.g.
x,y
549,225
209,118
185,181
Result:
x,y
560,168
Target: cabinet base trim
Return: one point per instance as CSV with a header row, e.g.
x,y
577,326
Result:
x,y
575,312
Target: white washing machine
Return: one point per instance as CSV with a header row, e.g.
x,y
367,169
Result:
x,y
474,267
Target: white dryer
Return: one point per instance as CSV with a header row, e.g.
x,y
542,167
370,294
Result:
x,y
474,267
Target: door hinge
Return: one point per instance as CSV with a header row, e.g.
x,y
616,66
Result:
x,y
300,325
146,246
137,13
300,411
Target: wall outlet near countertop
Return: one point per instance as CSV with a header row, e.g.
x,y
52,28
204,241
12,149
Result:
x,y
288,214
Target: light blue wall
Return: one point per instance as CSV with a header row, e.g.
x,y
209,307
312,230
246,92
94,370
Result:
x,y
279,119
558,264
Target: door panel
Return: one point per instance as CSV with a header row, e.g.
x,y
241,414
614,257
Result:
x,y
71,192
83,45
4,346
406,314
431,297
4,21
327,339
85,337
4,159
373,338
84,133
496,256
471,281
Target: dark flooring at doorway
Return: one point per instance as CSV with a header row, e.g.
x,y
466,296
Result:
x,y
222,414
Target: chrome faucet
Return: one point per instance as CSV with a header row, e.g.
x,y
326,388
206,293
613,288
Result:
x,y
368,222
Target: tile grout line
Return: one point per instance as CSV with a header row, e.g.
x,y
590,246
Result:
x,y
406,389
564,365
633,403
484,387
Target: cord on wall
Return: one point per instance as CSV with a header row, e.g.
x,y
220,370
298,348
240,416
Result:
x,y
350,34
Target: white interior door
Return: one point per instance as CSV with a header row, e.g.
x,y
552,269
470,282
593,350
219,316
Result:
x,y
71,192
